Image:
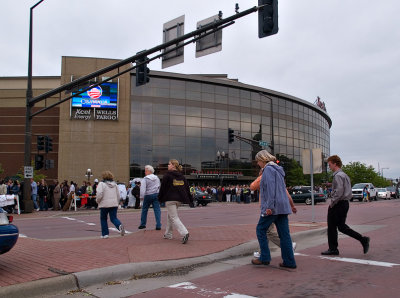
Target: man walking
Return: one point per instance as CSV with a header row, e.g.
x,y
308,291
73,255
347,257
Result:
x,y
149,193
338,208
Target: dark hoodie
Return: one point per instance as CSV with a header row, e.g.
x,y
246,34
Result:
x,y
174,187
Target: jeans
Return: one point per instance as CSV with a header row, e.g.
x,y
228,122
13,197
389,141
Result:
x,y
34,202
337,221
42,204
113,218
282,225
151,200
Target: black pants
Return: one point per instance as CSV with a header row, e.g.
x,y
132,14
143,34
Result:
x,y
337,221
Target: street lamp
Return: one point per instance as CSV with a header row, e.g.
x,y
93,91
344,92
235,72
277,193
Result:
x,y
88,174
28,203
383,169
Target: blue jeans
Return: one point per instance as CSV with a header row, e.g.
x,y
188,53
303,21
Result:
x,y
282,225
35,205
151,200
113,218
42,204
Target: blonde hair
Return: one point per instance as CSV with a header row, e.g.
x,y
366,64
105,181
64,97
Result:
x,y
107,175
265,156
176,164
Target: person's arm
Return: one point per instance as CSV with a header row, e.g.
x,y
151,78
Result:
x,y
255,185
294,210
338,189
142,188
99,194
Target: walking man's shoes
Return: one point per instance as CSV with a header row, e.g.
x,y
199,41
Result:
x,y
141,227
330,252
365,244
283,265
259,262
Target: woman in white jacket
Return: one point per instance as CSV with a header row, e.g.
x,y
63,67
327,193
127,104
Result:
x,y
108,197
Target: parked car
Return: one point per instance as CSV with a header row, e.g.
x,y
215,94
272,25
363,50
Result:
x,y
201,198
8,232
302,194
392,190
357,191
383,193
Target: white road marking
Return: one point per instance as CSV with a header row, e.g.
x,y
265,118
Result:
x,y
351,260
23,236
360,261
205,292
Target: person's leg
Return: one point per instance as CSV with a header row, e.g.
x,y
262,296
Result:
x,y
103,221
41,203
169,229
261,230
332,228
273,236
145,209
342,227
282,225
113,217
175,221
157,211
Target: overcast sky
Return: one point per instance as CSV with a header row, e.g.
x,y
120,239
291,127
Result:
x,y
346,52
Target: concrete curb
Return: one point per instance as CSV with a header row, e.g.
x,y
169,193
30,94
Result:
x,y
120,272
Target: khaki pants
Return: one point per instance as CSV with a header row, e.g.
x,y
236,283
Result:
x,y
173,220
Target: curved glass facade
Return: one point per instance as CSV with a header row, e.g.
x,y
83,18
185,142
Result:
x,y
187,118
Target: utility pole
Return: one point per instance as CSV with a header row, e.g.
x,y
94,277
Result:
x,y
27,202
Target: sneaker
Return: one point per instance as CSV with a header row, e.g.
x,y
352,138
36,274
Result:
x,y
256,254
330,252
37,209
294,245
365,244
122,230
185,238
166,236
104,237
141,227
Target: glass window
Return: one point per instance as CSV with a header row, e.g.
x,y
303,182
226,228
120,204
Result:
x,y
208,122
193,121
161,119
234,100
221,99
245,126
208,97
161,108
193,86
223,124
177,130
192,143
161,140
177,110
245,117
221,114
245,102
221,134
208,132
234,115
206,112
161,130
177,120
193,111
176,93
191,95
193,131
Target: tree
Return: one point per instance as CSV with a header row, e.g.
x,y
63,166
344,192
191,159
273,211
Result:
x,y
361,173
295,174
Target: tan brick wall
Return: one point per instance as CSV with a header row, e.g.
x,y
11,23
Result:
x,y
98,145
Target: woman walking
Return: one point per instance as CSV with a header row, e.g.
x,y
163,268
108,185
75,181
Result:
x,y
275,208
174,191
107,196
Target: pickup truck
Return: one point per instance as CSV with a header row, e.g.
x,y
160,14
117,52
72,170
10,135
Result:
x,y
357,191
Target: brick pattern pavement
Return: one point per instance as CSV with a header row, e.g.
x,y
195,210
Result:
x,y
33,259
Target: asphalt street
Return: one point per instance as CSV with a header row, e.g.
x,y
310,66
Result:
x,y
352,274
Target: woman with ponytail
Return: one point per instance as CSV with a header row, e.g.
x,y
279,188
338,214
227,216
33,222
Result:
x,y
175,191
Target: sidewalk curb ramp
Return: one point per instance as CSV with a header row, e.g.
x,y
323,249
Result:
x,y
80,280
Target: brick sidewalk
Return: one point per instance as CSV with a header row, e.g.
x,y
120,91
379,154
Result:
x,y
33,259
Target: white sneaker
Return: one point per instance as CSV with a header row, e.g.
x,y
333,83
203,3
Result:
x,y
257,254
167,236
122,230
294,245
104,237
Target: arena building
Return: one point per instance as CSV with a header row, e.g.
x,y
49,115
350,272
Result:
x,y
185,117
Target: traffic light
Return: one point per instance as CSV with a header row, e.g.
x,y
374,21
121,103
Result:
x,y
231,137
48,144
40,143
38,161
267,18
142,72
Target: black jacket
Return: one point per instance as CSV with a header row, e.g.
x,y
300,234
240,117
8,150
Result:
x,y
174,187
